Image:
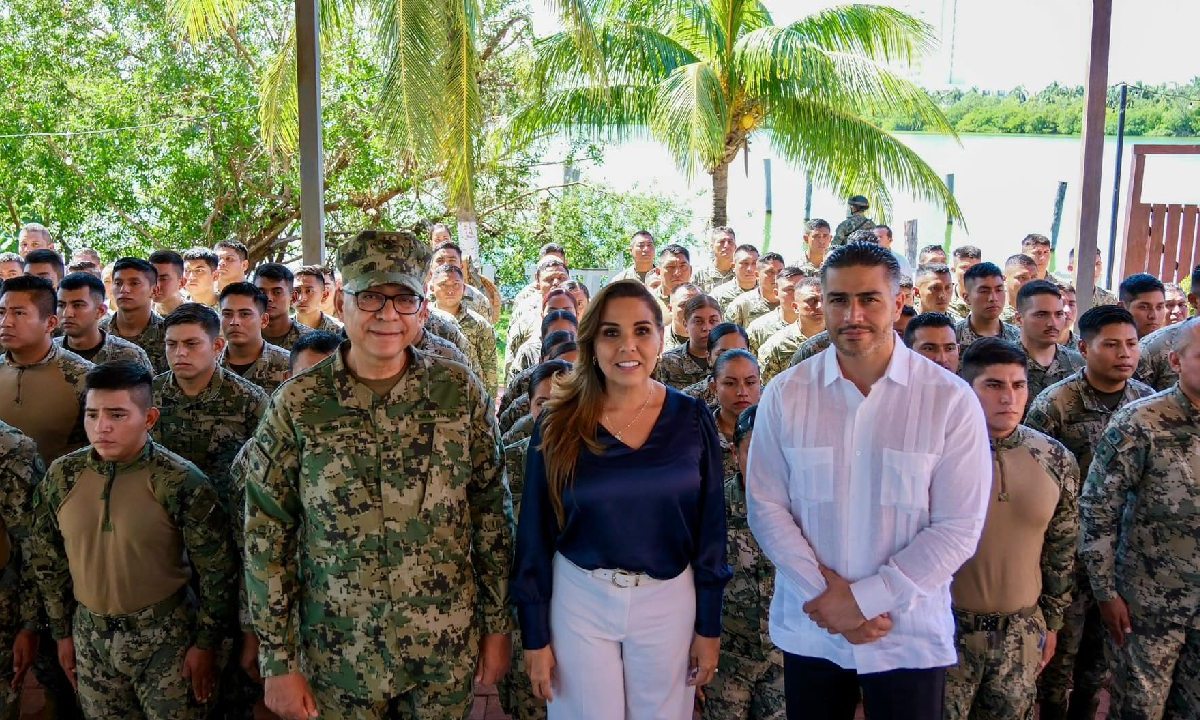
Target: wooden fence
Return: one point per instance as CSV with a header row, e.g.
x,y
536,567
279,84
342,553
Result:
x,y
1160,239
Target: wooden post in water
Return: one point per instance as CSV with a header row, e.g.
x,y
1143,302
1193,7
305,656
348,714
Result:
x,y
1056,223
910,241
949,220
1094,106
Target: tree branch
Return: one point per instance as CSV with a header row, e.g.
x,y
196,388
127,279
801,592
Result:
x,y
526,194
134,224
497,38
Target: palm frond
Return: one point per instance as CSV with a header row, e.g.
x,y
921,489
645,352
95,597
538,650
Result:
x,y
695,25
203,18
460,113
412,35
880,33
635,54
609,112
579,19
691,115
277,104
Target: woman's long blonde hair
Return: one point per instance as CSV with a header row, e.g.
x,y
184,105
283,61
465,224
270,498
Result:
x,y
572,414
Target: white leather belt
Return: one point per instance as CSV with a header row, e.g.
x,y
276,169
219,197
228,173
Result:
x,y
623,578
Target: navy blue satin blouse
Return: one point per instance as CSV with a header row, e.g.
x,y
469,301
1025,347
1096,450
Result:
x,y
653,510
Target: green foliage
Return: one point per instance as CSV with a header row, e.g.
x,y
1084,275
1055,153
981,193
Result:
x,y
1151,111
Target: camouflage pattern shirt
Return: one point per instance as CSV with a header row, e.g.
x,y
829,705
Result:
x,y
748,307
210,428
21,469
856,221
514,466
517,388
762,328
959,307
709,277
1070,411
380,524
1154,368
269,371
438,345
810,347
482,339
744,615
679,368
516,410
1065,363
1101,296
153,339
477,302
45,400
703,391
776,353
191,503
113,349
289,338
325,324
632,273
1141,509
726,293
965,334
1009,315
526,357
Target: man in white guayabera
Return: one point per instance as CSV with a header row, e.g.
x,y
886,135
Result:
x,y
867,488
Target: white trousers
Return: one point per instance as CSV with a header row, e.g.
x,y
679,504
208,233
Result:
x,y
620,653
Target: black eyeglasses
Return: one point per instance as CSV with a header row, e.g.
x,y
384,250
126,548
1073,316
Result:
x,y
405,303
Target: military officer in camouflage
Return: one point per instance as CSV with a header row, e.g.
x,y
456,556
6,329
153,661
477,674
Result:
x,y
1018,270
855,221
277,281
447,285
1155,368
1041,316
1141,542
724,242
377,521
312,292
1008,599
243,308
81,306
1075,412
985,295
775,355
764,298
817,239
687,364
20,470
112,524
762,328
745,276
134,319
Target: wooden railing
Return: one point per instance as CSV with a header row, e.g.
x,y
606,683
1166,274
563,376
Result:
x,y
1161,239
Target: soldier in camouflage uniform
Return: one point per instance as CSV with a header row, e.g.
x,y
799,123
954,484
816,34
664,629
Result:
x,y
277,283
1075,412
112,522
311,294
736,385
530,352
1155,368
556,345
447,284
1009,598
762,328
724,337
243,308
810,347
81,306
745,276
134,319
550,275
724,243
687,364
855,221
817,239
764,298
1141,524
1018,270
20,470
965,257
985,294
749,684
1042,317
377,521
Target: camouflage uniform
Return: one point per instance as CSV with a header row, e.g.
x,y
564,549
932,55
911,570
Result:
x,y
701,390
679,368
474,300
1100,296
965,335
997,669
1070,411
812,346
1009,315
632,273
847,227
763,327
1141,541
20,471
776,353
441,347
382,526
809,269
44,400
520,430
959,307
1066,362
113,349
748,307
517,388
1154,368
749,685
514,412
325,324
128,665
152,340
482,339
520,328
289,338
708,277
726,293
526,357
268,372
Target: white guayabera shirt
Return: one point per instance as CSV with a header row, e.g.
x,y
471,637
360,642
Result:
x,y
887,490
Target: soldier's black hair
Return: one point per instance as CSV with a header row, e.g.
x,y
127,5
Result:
x,y
1033,288
234,245
925,320
932,248
643,233
791,271
545,371
555,338
698,303
1020,259
44,256
555,315
815,224
552,247
1133,286
448,269
193,313
722,231
167,257
318,341
676,249
274,271
906,281
908,311
745,424
81,280
562,349
932,269
989,351
132,263
863,235
245,289
8,257
1035,239
980,271
1100,317
123,375
40,290
861,254
313,271
726,328
448,245
969,252
770,258
745,247
727,357
202,253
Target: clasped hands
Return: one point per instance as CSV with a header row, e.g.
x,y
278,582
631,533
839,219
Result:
x,y
836,612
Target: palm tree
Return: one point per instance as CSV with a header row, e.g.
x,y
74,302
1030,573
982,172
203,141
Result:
x,y
705,76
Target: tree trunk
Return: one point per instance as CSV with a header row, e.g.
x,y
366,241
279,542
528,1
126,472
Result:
x,y
720,195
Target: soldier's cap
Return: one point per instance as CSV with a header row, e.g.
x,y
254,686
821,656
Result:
x,y
858,201
375,257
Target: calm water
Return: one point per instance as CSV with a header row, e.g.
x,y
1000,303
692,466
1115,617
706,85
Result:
x,y
1006,185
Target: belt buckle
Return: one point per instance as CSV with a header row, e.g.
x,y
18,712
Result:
x,y
624,579
987,623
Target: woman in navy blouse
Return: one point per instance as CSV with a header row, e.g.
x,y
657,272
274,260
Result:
x,y
620,561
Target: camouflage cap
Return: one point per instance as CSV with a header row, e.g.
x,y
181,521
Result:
x,y
858,201
375,257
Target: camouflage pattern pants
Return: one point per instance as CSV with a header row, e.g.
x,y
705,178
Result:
x,y
996,675
1156,673
515,691
1069,688
746,689
134,673
445,693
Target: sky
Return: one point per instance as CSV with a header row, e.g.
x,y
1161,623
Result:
x,y
1002,44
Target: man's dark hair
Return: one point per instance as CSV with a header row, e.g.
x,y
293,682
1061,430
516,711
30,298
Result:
x,y
245,289
676,249
555,338
547,263
81,280
729,355
12,257
815,224
274,271
552,247
1100,317
543,372
86,266
908,311
722,231
123,375
448,269
131,263
861,254
1020,259
202,253
313,271
967,252
932,269
239,248
745,247
791,271
906,281
318,341
931,248
726,328
989,351
863,236
555,315
193,313
44,256
1130,288
1035,239
1033,288
745,424
887,229
982,270
167,257
448,245
643,233
770,258
40,290
926,320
